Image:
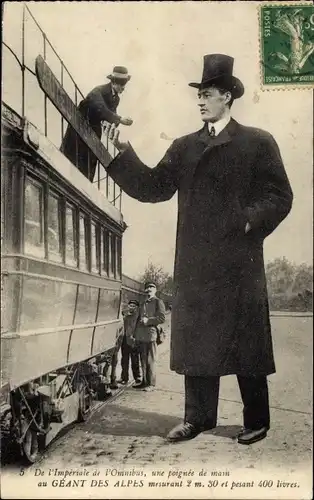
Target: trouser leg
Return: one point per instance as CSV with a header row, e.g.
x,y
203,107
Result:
x,y
254,393
114,362
125,357
135,363
151,363
105,372
201,400
143,357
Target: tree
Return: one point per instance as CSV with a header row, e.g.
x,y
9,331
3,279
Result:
x,y
290,286
168,285
303,279
155,273
280,275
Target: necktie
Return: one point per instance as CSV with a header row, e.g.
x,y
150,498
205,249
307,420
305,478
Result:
x,y
115,99
212,132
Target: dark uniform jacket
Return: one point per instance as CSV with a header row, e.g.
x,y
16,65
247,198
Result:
x,y
154,310
220,316
99,105
130,320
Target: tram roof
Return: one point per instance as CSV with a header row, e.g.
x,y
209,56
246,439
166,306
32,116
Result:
x,y
41,145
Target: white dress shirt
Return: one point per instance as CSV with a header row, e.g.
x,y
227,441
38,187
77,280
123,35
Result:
x,y
219,125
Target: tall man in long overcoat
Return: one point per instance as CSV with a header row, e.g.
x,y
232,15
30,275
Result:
x,y
99,105
233,192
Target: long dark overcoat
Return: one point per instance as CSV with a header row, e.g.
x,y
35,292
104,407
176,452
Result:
x,y
99,105
220,315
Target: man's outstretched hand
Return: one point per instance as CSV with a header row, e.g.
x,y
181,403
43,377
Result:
x,y
126,121
110,130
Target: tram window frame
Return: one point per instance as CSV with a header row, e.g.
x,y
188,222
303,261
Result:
x,y
95,266
112,253
109,254
119,257
105,251
86,220
4,204
57,256
27,245
76,235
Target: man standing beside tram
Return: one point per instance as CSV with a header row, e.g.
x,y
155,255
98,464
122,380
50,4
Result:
x,y
151,315
233,192
129,349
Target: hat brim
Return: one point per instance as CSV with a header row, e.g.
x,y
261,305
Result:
x,y
117,78
231,83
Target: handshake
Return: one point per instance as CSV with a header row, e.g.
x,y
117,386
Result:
x,y
112,133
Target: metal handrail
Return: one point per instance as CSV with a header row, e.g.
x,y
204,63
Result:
x,y
52,47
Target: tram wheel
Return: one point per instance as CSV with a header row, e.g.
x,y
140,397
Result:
x,y
85,402
30,444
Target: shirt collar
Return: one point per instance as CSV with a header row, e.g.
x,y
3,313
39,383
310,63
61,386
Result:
x,y
219,125
149,299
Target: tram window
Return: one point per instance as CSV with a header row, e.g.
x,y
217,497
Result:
x,y
34,218
71,257
112,255
83,243
119,258
94,248
105,251
109,254
54,228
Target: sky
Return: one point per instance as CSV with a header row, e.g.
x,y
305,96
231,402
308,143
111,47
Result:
x,y
163,44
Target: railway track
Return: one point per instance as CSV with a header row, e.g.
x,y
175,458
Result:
x,y
115,395
98,405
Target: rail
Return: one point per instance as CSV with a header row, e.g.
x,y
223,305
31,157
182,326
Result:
x,y
22,41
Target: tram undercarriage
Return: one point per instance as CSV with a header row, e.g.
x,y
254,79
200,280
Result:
x,y
33,414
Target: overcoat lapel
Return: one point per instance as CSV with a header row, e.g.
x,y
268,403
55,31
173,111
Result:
x,y
204,143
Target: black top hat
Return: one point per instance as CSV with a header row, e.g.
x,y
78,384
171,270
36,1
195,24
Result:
x,y
119,73
217,72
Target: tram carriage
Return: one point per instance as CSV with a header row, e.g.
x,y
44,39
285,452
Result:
x,y
61,250
61,286
61,270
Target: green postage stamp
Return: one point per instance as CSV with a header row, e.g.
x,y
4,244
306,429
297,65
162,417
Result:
x,y
287,44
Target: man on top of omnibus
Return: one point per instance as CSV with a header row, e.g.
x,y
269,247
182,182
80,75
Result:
x,y
99,105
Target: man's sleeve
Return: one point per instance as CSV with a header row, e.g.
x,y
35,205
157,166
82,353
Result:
x,y
271,194
149,185
99,109
160,316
